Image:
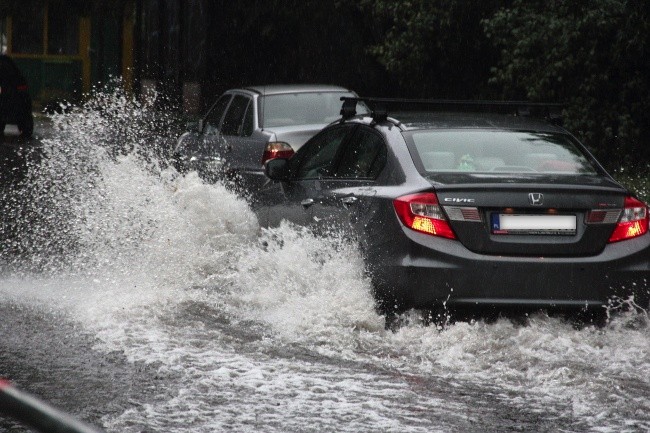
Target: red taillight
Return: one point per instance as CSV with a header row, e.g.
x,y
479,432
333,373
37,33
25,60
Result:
x,y
422,213
277,149
22,88
633,221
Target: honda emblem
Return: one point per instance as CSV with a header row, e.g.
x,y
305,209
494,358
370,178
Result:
x,y
536,198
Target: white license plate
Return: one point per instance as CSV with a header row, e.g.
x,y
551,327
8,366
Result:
x,y
533,224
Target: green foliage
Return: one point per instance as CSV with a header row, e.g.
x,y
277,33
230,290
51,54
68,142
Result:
x,y
593,56
434,48
638,182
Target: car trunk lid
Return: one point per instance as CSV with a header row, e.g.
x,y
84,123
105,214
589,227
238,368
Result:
x,y
295,135
534,215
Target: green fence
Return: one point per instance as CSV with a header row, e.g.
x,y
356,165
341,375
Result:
x,y
52,78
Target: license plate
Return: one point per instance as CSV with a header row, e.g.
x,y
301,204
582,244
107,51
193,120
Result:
x,y
525,224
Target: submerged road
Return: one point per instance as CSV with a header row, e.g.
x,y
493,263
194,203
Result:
x,y
140,301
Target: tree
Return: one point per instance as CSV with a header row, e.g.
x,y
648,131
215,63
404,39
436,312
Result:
x,y
593,56
434,48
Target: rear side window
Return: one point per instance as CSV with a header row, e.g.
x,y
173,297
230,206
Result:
x,y
247,128
479,151
215,114
363,157
316,158
235,115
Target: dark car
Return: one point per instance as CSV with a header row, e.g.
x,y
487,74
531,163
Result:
x,y
15,101
247,126
468,209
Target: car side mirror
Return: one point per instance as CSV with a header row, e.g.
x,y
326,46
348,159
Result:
x,y
191,127
277,169
196,126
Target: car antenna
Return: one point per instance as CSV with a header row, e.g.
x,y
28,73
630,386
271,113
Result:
x,y
263,104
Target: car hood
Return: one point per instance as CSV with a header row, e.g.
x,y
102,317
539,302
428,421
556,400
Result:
x,y
295,135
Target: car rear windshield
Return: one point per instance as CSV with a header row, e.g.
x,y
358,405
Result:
x,y
478,151
289,109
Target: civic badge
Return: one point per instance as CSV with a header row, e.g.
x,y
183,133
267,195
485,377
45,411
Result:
x,y
536,198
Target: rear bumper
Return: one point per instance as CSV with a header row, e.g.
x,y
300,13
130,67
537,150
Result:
x,y
425,271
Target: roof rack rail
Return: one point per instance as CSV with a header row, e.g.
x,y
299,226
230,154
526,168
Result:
x,y
379,112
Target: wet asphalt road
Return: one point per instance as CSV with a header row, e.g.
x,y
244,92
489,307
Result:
x,y
54,361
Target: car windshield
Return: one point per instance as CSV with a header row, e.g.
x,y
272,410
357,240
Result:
x,y
477,151
302,108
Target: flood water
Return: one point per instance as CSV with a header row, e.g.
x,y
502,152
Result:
x,y
143,301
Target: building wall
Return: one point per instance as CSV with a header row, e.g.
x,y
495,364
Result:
x,y
64,47
67,47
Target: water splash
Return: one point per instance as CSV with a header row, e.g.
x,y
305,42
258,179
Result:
x,y
174,272
104,195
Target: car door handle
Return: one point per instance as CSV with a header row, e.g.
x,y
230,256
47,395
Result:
x,y
349,201
307,202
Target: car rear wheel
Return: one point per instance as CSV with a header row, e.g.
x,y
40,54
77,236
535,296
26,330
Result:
x,y
26,127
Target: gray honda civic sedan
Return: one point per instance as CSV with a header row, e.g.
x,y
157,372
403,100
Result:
x,y
468,209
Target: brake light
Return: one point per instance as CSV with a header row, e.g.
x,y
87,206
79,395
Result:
x,y
422,213
633,221
277,149
22,88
